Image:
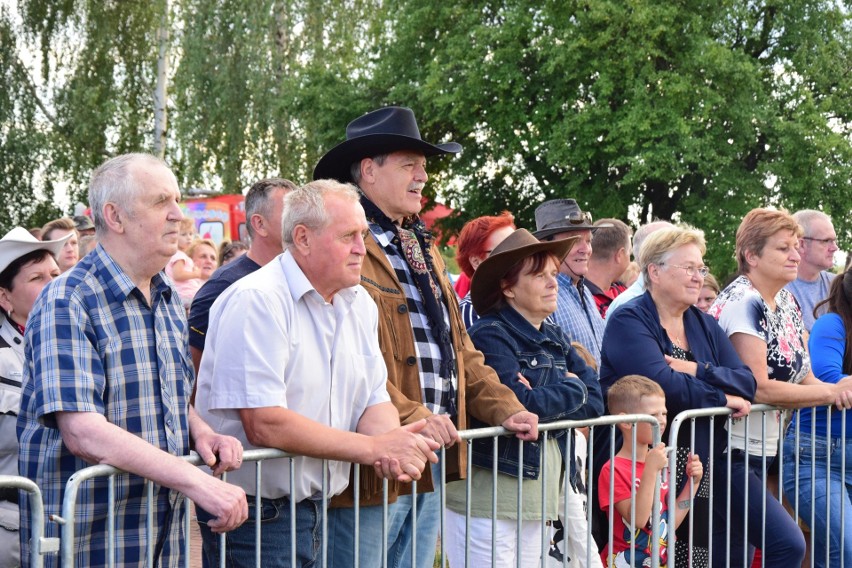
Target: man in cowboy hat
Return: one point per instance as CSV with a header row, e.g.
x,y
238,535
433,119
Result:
x,y
434,372
576,312
107,380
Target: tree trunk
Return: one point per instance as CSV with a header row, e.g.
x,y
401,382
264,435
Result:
x,y
160,93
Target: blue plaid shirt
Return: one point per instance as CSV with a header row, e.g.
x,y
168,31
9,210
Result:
x,y
578,316
93,344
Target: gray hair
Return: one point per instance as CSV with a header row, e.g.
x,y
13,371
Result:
x,y
660,245
806,217
114,182
258,198
306,206
355,168
642,233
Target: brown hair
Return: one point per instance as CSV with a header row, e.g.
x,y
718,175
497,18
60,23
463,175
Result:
x,y
532,264
839,302
756,228
607,240
710,282
61,224
625,394
585,354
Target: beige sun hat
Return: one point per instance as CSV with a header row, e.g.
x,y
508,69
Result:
x,y
19,242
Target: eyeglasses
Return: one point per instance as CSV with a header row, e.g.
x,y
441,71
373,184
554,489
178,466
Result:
x,y
579,217
702,271
824,242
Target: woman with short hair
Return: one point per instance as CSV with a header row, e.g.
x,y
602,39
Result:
x,y
663,336
515,291
765,325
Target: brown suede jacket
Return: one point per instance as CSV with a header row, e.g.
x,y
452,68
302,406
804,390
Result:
x,y
480,392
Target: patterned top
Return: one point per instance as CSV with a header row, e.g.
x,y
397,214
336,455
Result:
x,y
468,314
95,345
577,314
438,392
741,309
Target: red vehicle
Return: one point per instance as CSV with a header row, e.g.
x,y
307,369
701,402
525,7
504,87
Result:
x,y
219,218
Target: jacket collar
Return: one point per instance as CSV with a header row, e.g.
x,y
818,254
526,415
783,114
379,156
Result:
x,y
520,324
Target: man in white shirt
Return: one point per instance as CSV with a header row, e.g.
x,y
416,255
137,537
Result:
x,y
816,247
292,361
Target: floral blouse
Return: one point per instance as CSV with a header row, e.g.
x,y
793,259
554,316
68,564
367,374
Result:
x,y
739,308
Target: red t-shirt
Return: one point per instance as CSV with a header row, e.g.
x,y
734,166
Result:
x,y
624,489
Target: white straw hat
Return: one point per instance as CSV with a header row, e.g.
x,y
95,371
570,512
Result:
x,y
19,242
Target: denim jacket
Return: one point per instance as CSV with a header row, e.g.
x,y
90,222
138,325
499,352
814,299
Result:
x,y
511,345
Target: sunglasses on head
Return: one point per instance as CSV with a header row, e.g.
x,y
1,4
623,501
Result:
x,y
579,218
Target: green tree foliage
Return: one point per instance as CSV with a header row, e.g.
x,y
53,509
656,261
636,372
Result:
x,y
692,111
698,111
100,60
265,87
23,143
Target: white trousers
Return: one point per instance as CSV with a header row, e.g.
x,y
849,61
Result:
x,y
505,548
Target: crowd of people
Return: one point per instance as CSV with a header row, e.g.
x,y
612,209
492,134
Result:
x,y
337,334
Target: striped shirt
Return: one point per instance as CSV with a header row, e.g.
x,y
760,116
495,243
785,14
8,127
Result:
x,y
468,314
93,344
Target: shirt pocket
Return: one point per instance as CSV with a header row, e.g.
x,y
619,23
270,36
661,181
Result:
x,y
538,368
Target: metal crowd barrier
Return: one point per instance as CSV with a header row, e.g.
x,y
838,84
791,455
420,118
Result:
x,y
39,545
819,553
66,546
825,547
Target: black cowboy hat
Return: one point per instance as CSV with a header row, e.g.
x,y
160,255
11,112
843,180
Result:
x,y
513,249
381,131
560,216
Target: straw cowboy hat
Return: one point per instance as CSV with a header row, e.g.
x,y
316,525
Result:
x,y
561,215
19,242
381,131
516,247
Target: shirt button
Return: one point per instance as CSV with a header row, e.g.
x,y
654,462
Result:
x,y
402,308
411,361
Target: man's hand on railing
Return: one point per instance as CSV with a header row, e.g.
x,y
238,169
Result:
x,y
738,404
524,424
225,502
220,453
406,451
440,428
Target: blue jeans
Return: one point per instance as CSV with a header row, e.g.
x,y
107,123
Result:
x,y
830,489
275,542
341,531
784,542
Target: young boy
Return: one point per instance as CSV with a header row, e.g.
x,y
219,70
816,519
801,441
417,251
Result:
x,y
635,394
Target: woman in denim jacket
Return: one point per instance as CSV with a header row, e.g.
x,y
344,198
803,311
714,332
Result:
x,y
514,291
